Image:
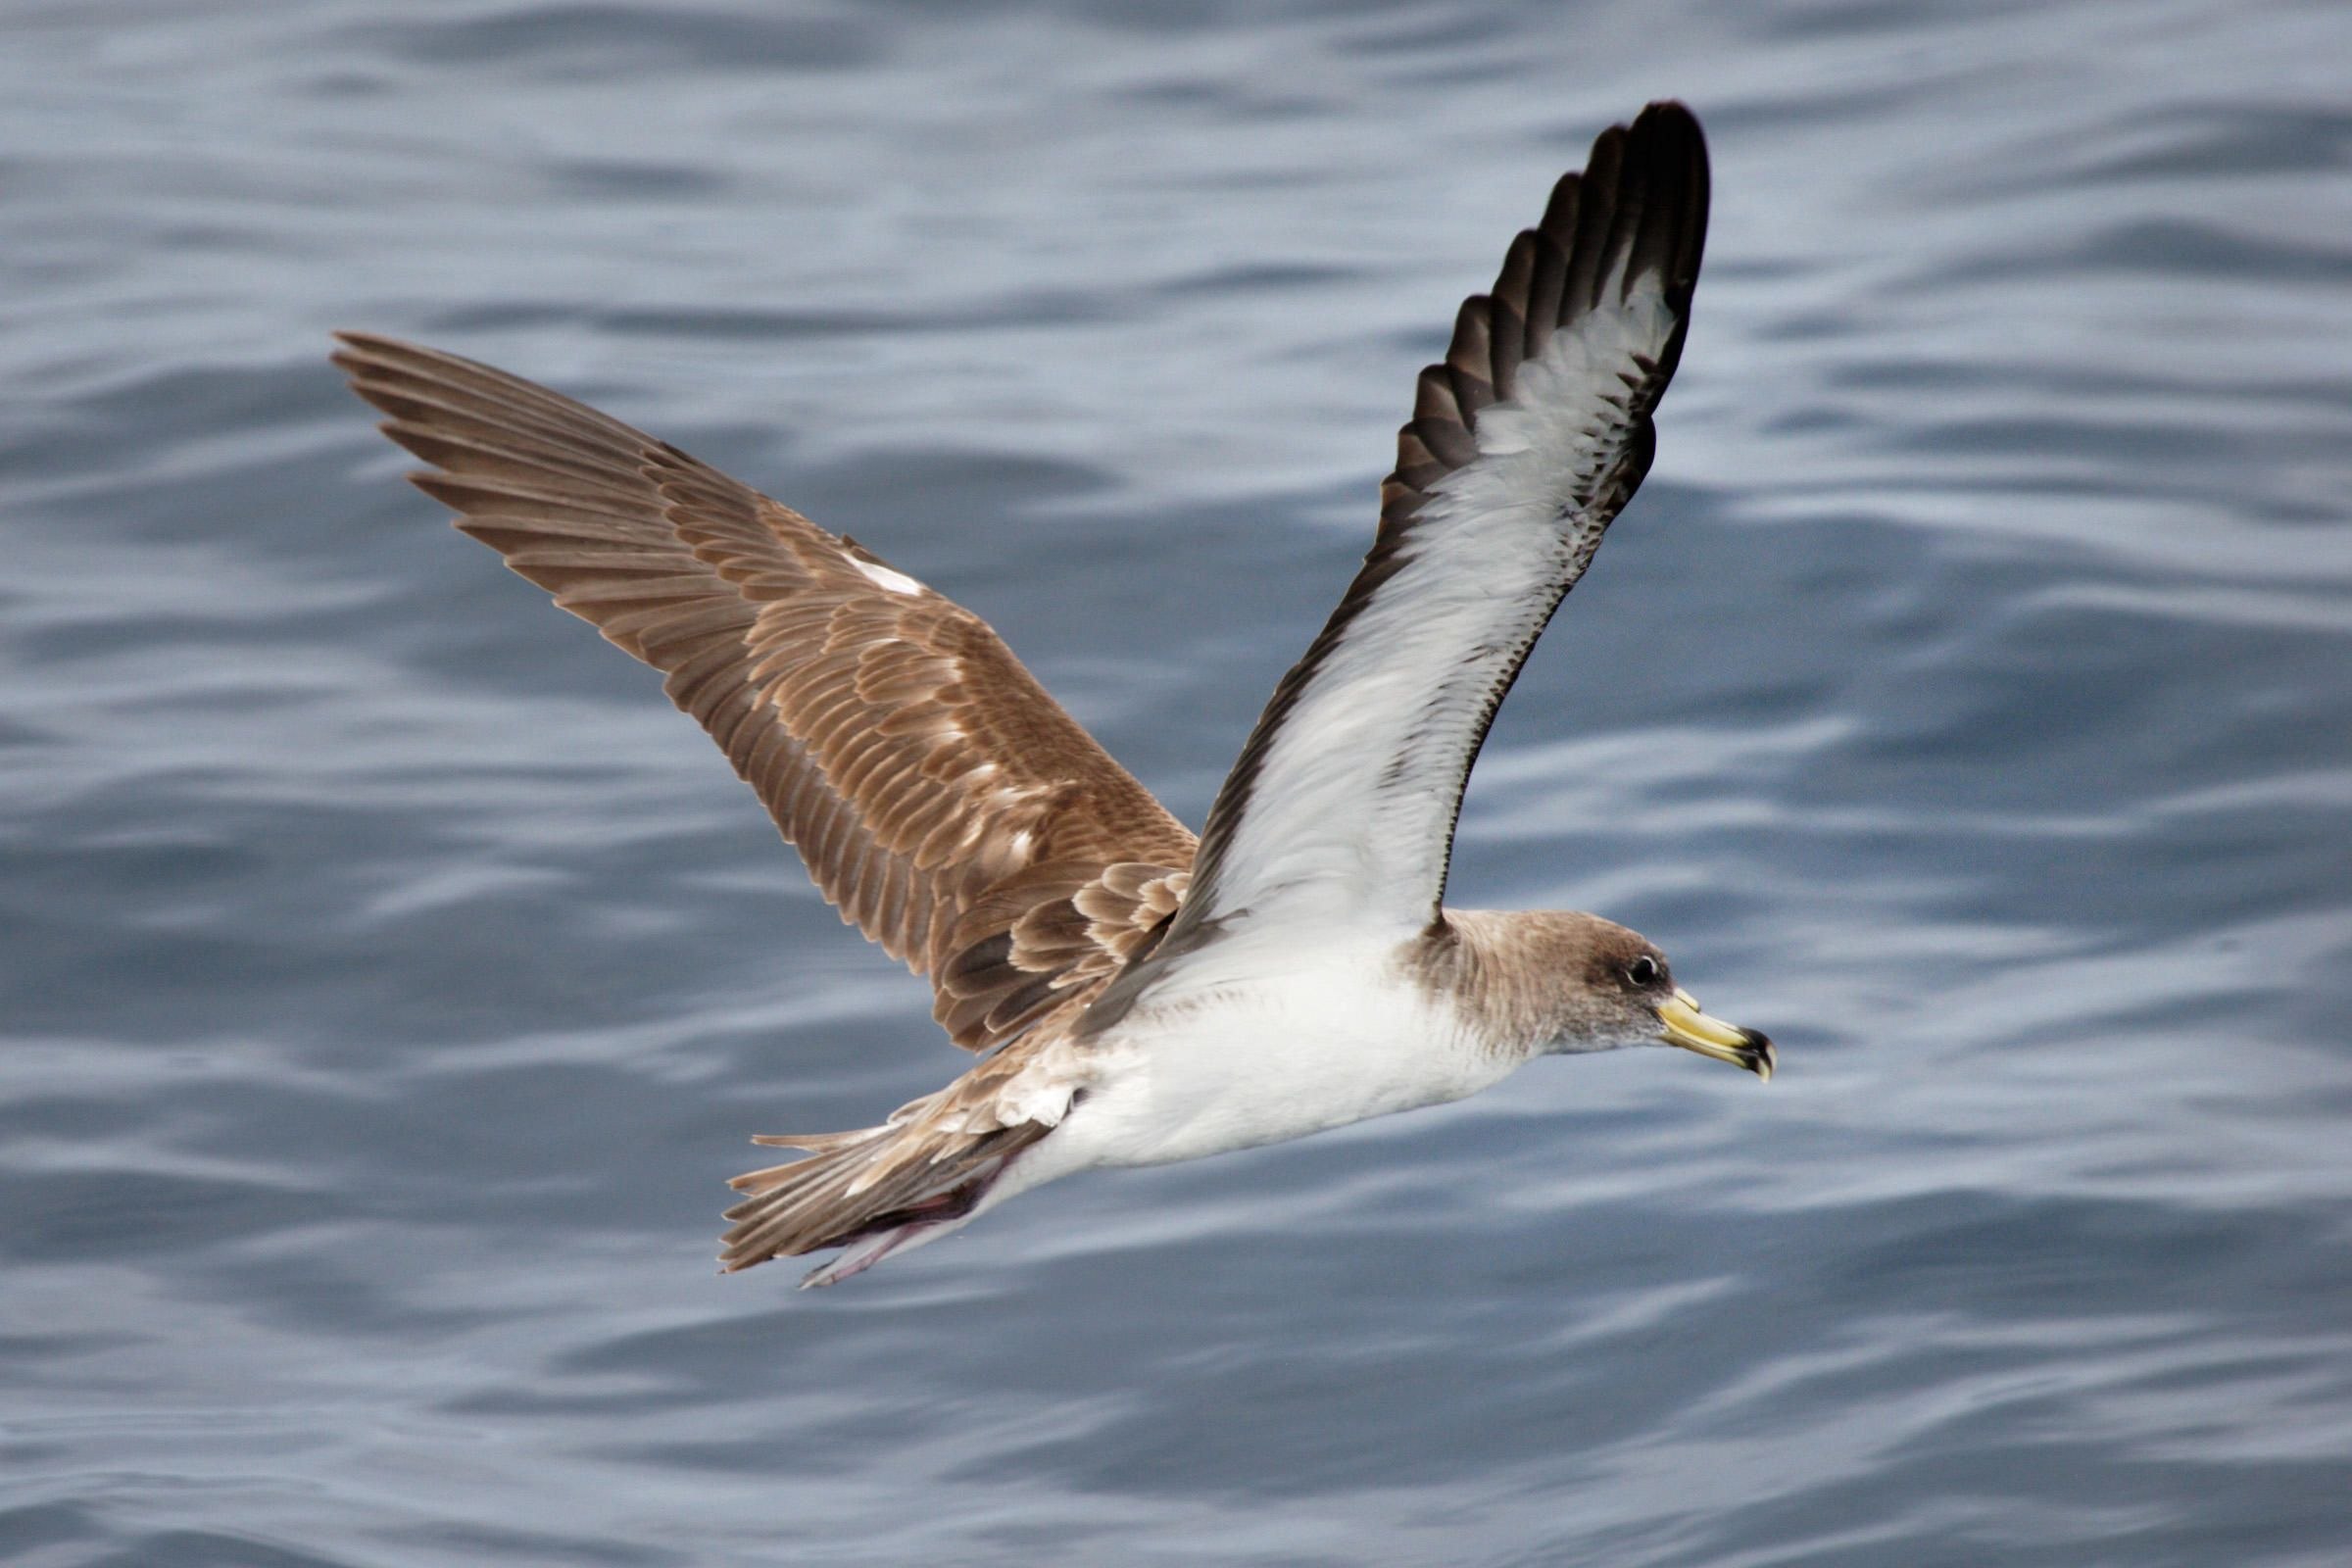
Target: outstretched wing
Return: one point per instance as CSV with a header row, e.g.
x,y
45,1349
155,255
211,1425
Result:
x,y
1523,446
944,802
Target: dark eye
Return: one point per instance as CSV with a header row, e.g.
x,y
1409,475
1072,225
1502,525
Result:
x,y
1642,971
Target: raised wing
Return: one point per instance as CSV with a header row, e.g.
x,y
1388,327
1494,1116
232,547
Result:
x,y
944,802
1523,446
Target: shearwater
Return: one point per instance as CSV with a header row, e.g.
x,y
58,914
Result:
x,y
1135,995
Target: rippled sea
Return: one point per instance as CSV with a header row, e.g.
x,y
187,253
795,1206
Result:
x,y
389,979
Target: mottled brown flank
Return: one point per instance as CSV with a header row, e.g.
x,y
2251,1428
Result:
x,y
944,802
1638,207
1531,976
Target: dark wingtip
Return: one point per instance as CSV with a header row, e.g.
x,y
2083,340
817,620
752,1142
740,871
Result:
x,y
1638,206
1673,148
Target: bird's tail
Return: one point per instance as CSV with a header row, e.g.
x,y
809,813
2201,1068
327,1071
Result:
x,y
875,1191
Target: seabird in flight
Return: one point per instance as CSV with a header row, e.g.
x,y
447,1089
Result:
x,y
1135,995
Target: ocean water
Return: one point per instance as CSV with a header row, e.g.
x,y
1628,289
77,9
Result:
x,y
388,979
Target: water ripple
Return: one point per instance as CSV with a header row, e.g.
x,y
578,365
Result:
x,y
392,981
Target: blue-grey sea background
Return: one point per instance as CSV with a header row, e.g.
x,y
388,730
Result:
x,y
389,978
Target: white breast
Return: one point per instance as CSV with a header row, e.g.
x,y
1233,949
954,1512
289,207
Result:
x,y
1291,1045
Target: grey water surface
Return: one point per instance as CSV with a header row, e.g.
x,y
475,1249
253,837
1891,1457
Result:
x,y
389,979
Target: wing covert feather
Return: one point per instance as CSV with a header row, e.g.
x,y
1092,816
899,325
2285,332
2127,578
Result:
x,y
943,802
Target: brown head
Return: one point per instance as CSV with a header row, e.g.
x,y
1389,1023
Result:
x,y
1547,982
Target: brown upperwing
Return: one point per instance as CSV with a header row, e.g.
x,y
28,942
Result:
x,y
944,802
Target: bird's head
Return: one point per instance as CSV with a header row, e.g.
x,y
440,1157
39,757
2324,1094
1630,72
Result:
x,y
1576,983
1630,998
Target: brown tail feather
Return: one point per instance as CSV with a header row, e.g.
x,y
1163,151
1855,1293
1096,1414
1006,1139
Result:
x,y
857,1184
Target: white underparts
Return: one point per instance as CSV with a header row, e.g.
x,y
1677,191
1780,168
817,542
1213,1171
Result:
x,y
1261,1042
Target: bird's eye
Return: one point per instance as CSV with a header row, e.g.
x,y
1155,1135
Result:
x,y
1642,971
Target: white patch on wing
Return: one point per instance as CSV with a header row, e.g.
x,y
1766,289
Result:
x,y
896,582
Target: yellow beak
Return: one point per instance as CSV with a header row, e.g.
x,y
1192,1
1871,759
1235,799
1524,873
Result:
x,y
1693,1030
